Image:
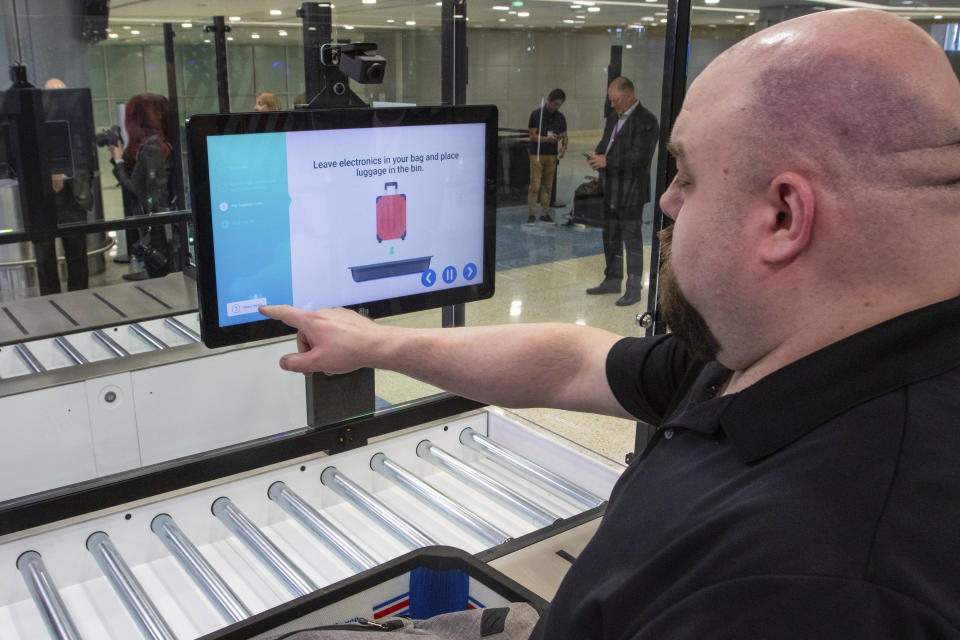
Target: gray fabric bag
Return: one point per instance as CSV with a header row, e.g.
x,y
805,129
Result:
x,y
512,622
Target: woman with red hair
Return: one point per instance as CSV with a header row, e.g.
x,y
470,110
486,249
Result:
x,y
143,170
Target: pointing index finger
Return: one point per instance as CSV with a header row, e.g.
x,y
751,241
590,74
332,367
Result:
x,y
286,314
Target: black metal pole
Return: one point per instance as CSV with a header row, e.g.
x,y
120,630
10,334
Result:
x,y
220,28
453,52
614,71
453,90
317,30
180,256
674,90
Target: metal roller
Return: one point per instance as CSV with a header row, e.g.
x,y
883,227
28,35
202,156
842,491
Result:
x,y
151,339
203,575
371,506
496,490
182,329
260,545
27,356
45,595
110,344
125,585
527,468
436,500
70,350
323,529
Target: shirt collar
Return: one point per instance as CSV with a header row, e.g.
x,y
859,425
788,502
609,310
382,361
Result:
x,y
633,107
787,404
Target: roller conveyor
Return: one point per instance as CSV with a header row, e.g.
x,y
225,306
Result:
x,y
190,567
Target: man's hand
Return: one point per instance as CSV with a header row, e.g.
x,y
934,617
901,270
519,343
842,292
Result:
x,y
328,340
597,161
116,151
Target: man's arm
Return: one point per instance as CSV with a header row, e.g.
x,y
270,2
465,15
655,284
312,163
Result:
x,y
542,365
637,154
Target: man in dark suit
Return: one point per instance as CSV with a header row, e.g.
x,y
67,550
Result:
x,y
623,159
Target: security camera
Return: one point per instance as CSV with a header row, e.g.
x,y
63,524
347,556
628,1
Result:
x,y
360,63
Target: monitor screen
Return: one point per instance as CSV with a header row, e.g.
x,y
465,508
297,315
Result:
x,y
390,210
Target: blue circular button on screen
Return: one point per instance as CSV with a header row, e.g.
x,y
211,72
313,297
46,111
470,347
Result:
x,y
428,278
470,271
449,274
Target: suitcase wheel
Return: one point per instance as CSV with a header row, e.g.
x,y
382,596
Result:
x,y
379,239
404,236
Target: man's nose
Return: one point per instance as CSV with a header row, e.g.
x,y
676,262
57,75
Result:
x,y
670,200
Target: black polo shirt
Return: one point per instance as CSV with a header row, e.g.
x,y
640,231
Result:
x,y
821,502
544,122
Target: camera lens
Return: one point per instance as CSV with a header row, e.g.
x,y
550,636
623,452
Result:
x,y
375,72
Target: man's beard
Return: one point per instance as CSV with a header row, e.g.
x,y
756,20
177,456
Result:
x,y
685,321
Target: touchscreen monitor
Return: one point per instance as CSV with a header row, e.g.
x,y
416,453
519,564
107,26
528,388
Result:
x,y
387,210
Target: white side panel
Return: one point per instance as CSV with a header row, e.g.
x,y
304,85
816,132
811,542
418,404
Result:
x,y
206,403
113,423
47,441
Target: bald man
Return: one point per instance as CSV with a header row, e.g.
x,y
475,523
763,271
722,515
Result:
x,y
803,482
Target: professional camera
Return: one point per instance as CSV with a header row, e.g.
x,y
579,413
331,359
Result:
x,y
357,61
110,137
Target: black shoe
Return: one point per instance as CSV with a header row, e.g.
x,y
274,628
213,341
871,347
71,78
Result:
x,y
546,218
607,286
531,219
122,258
136,275
632,296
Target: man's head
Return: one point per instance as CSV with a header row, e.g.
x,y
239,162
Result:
x,y
818,184
54,83
622,95
555,100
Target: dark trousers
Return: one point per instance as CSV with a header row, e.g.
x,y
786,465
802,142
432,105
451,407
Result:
x,y
622,227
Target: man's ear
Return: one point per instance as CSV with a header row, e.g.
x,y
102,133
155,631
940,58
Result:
x,y
789,213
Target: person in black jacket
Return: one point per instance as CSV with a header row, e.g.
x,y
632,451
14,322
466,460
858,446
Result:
x,y
623,159
143,170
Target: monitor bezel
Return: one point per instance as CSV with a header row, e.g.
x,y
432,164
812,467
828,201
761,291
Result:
x,y
200,127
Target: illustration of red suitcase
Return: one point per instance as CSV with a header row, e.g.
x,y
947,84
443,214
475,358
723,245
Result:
x,y
391,214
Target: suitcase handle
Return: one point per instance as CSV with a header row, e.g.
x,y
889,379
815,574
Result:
x,y
387,186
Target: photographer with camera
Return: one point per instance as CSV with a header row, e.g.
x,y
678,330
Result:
x,y
143,169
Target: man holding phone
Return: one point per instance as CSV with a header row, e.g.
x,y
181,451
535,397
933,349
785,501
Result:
x,y
548,143
623,159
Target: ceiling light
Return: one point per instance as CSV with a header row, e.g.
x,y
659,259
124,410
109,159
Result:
x,y
629,46
568,21
255,36
206,42
523,14
663,20
235,18
593,9
513,13
752,24
368,1
282,33
135,32
410,23
229,37
348,27
647,18
276,12
500,7
739,17
114,35
938,17
186,25
711,1
438,4
126,26
390,20
502,20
